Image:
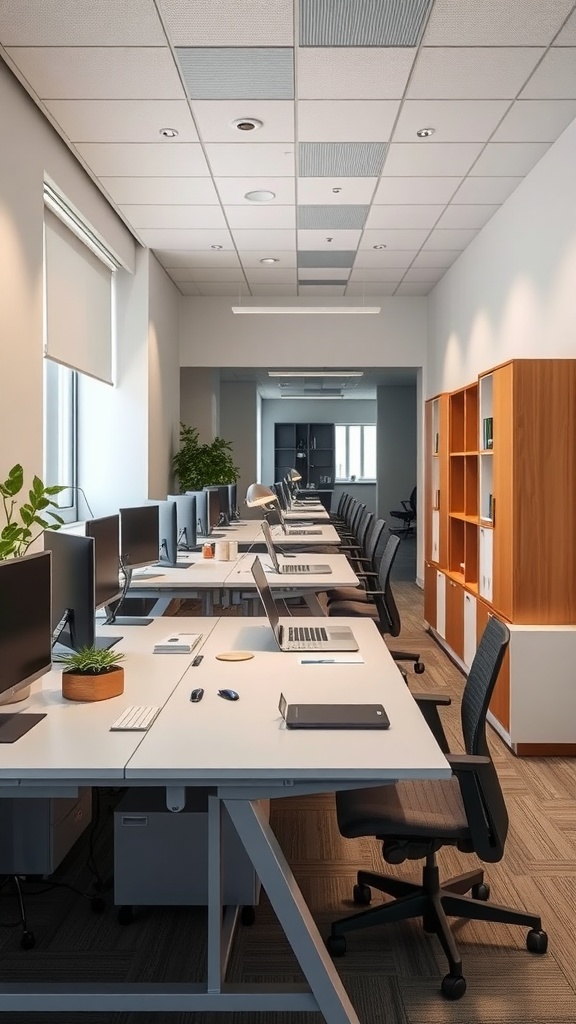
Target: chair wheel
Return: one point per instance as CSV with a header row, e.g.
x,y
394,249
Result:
x,y
248,916
97,905
480,891
336,945
362,894
125,915
453,986
537,942
27,941
419,668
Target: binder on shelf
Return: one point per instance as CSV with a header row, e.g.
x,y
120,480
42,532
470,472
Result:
x,y
487,432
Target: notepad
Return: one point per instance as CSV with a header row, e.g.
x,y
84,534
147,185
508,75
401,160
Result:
x,y
332,659
177,643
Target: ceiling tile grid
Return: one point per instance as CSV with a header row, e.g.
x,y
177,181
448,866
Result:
x,y
330,95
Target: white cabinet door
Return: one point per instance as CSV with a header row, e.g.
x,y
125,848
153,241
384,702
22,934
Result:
x,y
485,581
441,604
469,628
435,535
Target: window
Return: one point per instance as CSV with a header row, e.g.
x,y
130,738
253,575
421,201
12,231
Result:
x,y
356,451
60,434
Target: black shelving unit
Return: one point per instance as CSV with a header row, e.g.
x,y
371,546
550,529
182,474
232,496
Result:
x,y
309,448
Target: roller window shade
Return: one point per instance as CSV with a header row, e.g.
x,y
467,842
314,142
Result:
x,y
78,297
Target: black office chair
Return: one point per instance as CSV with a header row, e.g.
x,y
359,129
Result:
x,y
406,514
415,819
380,604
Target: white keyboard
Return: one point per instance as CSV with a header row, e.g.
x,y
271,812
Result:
x,y
137,717
145,574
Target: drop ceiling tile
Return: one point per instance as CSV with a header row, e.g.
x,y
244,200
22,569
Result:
x,y
436,258
348,73
454,239
261,217
321,190
425,274
80,23
461,216
165,191
381,23
242,73
274,239
508,158
184,238
251,159
142,216
493,23
567,36
485,190
414,288
233,191
271,276
420,216
214,120
454,120
180,259
555,78
536,120
314,273
432,159
394,239
407,190
471,72
389,275
317,240
274,289
216,274
331,217
99,73
321,289
228,23
186,287
370,288
252,259
346,120
371,259
123,120
221,288
341,258
143,158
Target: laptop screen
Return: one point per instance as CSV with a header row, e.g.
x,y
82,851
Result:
x,y
266,597
270,545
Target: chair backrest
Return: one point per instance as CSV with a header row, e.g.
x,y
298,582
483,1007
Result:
x,y
412,500
364,529
374,544
387,608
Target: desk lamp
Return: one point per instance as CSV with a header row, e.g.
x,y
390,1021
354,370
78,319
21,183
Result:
x,y
259,494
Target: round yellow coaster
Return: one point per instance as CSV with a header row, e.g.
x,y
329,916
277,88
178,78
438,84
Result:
x,y
234,656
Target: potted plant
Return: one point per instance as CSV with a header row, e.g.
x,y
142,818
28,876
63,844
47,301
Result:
x,y
198,465
25,523
92,674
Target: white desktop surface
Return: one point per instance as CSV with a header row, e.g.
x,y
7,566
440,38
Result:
x,y
318,514
342,574
326,535
251,533
202,573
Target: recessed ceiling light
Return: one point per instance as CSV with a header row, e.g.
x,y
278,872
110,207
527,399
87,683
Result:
x,y
260,195
269,259
216,246
336,189
169,133
424,133
378,246
247,124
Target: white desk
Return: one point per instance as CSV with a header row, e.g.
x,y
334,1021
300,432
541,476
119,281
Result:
x,y
317,515
251,533
244,751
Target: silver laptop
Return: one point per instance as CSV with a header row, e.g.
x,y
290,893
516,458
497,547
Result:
x,y
289,568
295,533
300,638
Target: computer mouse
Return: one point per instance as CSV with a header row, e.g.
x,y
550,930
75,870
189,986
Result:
x,y
196,694
229,694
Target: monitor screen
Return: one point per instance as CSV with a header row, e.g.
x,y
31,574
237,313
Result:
x,y
225,500
72,588
213,506
232,499
106,535
139,535
25,624
168,535
201,511
186,519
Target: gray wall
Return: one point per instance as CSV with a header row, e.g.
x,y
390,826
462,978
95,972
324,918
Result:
x,y
239,424
397,448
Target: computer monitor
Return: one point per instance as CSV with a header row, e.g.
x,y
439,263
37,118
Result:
x,y
139,535
224,497
105,533
213,506
186,520
25,632
201,511
168,536
73,623
233,500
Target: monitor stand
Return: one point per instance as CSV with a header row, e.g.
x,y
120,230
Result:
x,y
112,619
173,565
12,727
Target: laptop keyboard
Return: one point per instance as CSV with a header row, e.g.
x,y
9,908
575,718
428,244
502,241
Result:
x,y
304,533
297,567
306,634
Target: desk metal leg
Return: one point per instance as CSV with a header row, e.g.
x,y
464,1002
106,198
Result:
x,y
313,603
276,876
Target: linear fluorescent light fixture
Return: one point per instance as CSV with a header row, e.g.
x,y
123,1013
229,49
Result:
x,y
305,309
313,398
315,373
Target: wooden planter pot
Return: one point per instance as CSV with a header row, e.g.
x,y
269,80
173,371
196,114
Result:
x,y
86,686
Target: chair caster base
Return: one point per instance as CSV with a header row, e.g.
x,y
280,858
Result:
x,y
537,941
362,895
453,986
27,941
336,945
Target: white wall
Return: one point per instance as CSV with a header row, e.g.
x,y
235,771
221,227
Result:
x,y
511,293
163,379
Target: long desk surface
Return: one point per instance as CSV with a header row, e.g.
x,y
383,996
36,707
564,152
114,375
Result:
x,y
250,532
244,752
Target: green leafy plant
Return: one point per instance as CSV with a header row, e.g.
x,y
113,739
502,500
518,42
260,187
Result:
x,y
91,661
27,521
198,465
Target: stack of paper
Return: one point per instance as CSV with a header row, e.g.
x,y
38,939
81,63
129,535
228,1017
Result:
x,y
177,643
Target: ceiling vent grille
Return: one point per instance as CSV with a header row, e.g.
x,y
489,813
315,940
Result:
x,y
237,73
341,159
362,22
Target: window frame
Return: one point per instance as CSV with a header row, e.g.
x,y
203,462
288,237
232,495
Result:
x,y
347,478
69,512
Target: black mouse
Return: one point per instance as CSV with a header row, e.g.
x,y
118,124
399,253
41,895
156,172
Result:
x,y
229,694
196,694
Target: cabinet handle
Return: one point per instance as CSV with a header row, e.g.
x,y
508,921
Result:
x,y
493,513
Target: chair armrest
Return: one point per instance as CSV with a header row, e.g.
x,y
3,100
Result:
x,y
467,762
428,704
440,699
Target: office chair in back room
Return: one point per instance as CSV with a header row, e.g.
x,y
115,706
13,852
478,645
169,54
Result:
x,y
413,820
406,514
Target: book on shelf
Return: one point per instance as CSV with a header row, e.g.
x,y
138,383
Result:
x,y
487,424
436,443
490,507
